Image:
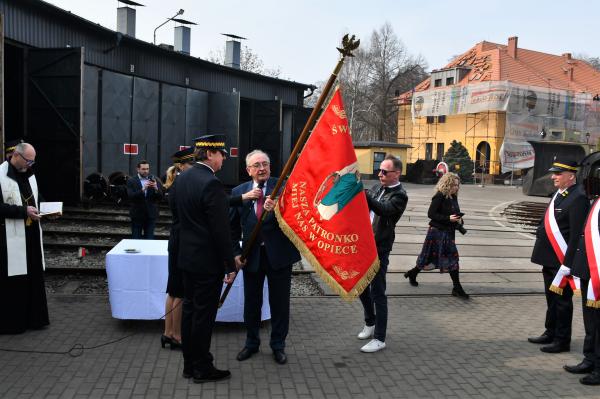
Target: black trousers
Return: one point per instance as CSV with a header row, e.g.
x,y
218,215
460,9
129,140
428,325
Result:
x,y
591,324
280,282
200,304
559,314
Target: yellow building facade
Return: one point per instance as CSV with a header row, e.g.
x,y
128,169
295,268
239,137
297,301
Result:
x,y
370,154
430,137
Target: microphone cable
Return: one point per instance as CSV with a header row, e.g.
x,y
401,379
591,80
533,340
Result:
x,y
78,349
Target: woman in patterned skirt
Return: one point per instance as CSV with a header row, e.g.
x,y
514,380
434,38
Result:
x,y
439,249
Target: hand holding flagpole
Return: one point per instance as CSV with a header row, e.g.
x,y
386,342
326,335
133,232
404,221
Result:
x,y
349,44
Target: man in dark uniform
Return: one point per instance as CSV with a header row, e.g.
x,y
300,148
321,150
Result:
x,y
272,256
144,192
205,255
591,315
554,249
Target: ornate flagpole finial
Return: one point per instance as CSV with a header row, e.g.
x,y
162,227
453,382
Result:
x,y
349,44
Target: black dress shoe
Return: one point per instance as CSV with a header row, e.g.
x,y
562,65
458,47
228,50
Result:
x,y
213,374
582,368
280,356
556,347
542,339
187,374
411,275
591,379
246,353
459,292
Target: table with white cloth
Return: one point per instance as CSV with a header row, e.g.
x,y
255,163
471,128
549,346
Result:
x,y
137,272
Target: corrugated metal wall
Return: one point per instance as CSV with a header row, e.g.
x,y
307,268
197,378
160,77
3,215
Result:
x,y
41,25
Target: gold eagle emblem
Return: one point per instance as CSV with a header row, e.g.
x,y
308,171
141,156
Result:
x,y
344,274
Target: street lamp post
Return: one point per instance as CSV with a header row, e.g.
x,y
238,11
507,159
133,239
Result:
x,y
180,12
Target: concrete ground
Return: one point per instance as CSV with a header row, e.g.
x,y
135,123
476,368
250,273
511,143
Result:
x,y
437,346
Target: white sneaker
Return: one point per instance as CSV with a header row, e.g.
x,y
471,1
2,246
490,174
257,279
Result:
x,y
374,345
367,332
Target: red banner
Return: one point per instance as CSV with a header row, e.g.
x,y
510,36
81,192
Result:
x,y
323,209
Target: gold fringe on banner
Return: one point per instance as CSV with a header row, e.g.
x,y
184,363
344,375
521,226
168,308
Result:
x,y
320,270
577,292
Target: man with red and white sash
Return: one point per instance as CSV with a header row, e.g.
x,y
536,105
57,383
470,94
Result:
x,y
554,249
586,266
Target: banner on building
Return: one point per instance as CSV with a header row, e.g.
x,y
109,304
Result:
x,y
323,209
563,115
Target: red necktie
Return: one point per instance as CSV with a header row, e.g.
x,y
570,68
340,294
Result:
x,y
260,203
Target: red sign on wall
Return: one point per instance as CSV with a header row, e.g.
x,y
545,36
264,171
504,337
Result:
x,y
233,152
130,149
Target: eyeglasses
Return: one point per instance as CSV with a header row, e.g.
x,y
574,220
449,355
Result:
x,y
385,172
29,162
257,165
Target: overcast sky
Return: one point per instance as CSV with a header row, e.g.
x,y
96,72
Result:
x,y
300,37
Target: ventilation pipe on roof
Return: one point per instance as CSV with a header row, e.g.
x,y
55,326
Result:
x,y
232,53
567,56
512,46
182,39
126,21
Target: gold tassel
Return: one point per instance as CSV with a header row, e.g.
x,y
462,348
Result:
x,y
556,290
593,304
330,281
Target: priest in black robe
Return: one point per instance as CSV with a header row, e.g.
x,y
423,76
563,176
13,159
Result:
x,y
22,291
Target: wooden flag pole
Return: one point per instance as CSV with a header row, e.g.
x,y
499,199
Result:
x,y
349,44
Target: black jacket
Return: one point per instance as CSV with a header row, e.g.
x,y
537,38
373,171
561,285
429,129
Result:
x,y
440,210
388,210
204,234
143,206
580,266
570,211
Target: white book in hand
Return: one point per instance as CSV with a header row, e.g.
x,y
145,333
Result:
x,y
50,208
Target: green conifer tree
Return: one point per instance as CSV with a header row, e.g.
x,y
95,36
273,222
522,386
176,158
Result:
x,y
458,160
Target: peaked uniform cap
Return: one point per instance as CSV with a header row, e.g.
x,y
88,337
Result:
x,y
561,165
211,142
183,156
10,145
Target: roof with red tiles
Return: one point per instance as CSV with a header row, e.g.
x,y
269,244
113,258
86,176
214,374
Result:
x,y
495,62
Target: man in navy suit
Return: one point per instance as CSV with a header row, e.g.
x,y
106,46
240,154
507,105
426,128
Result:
x,y
144,192
272,256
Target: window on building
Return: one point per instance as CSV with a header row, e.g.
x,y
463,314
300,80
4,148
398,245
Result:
x,y
428,151
378,158
440,151
430,119
442,119
437,83
450,81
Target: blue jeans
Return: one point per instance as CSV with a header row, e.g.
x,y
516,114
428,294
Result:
x,y
374,300
146,225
